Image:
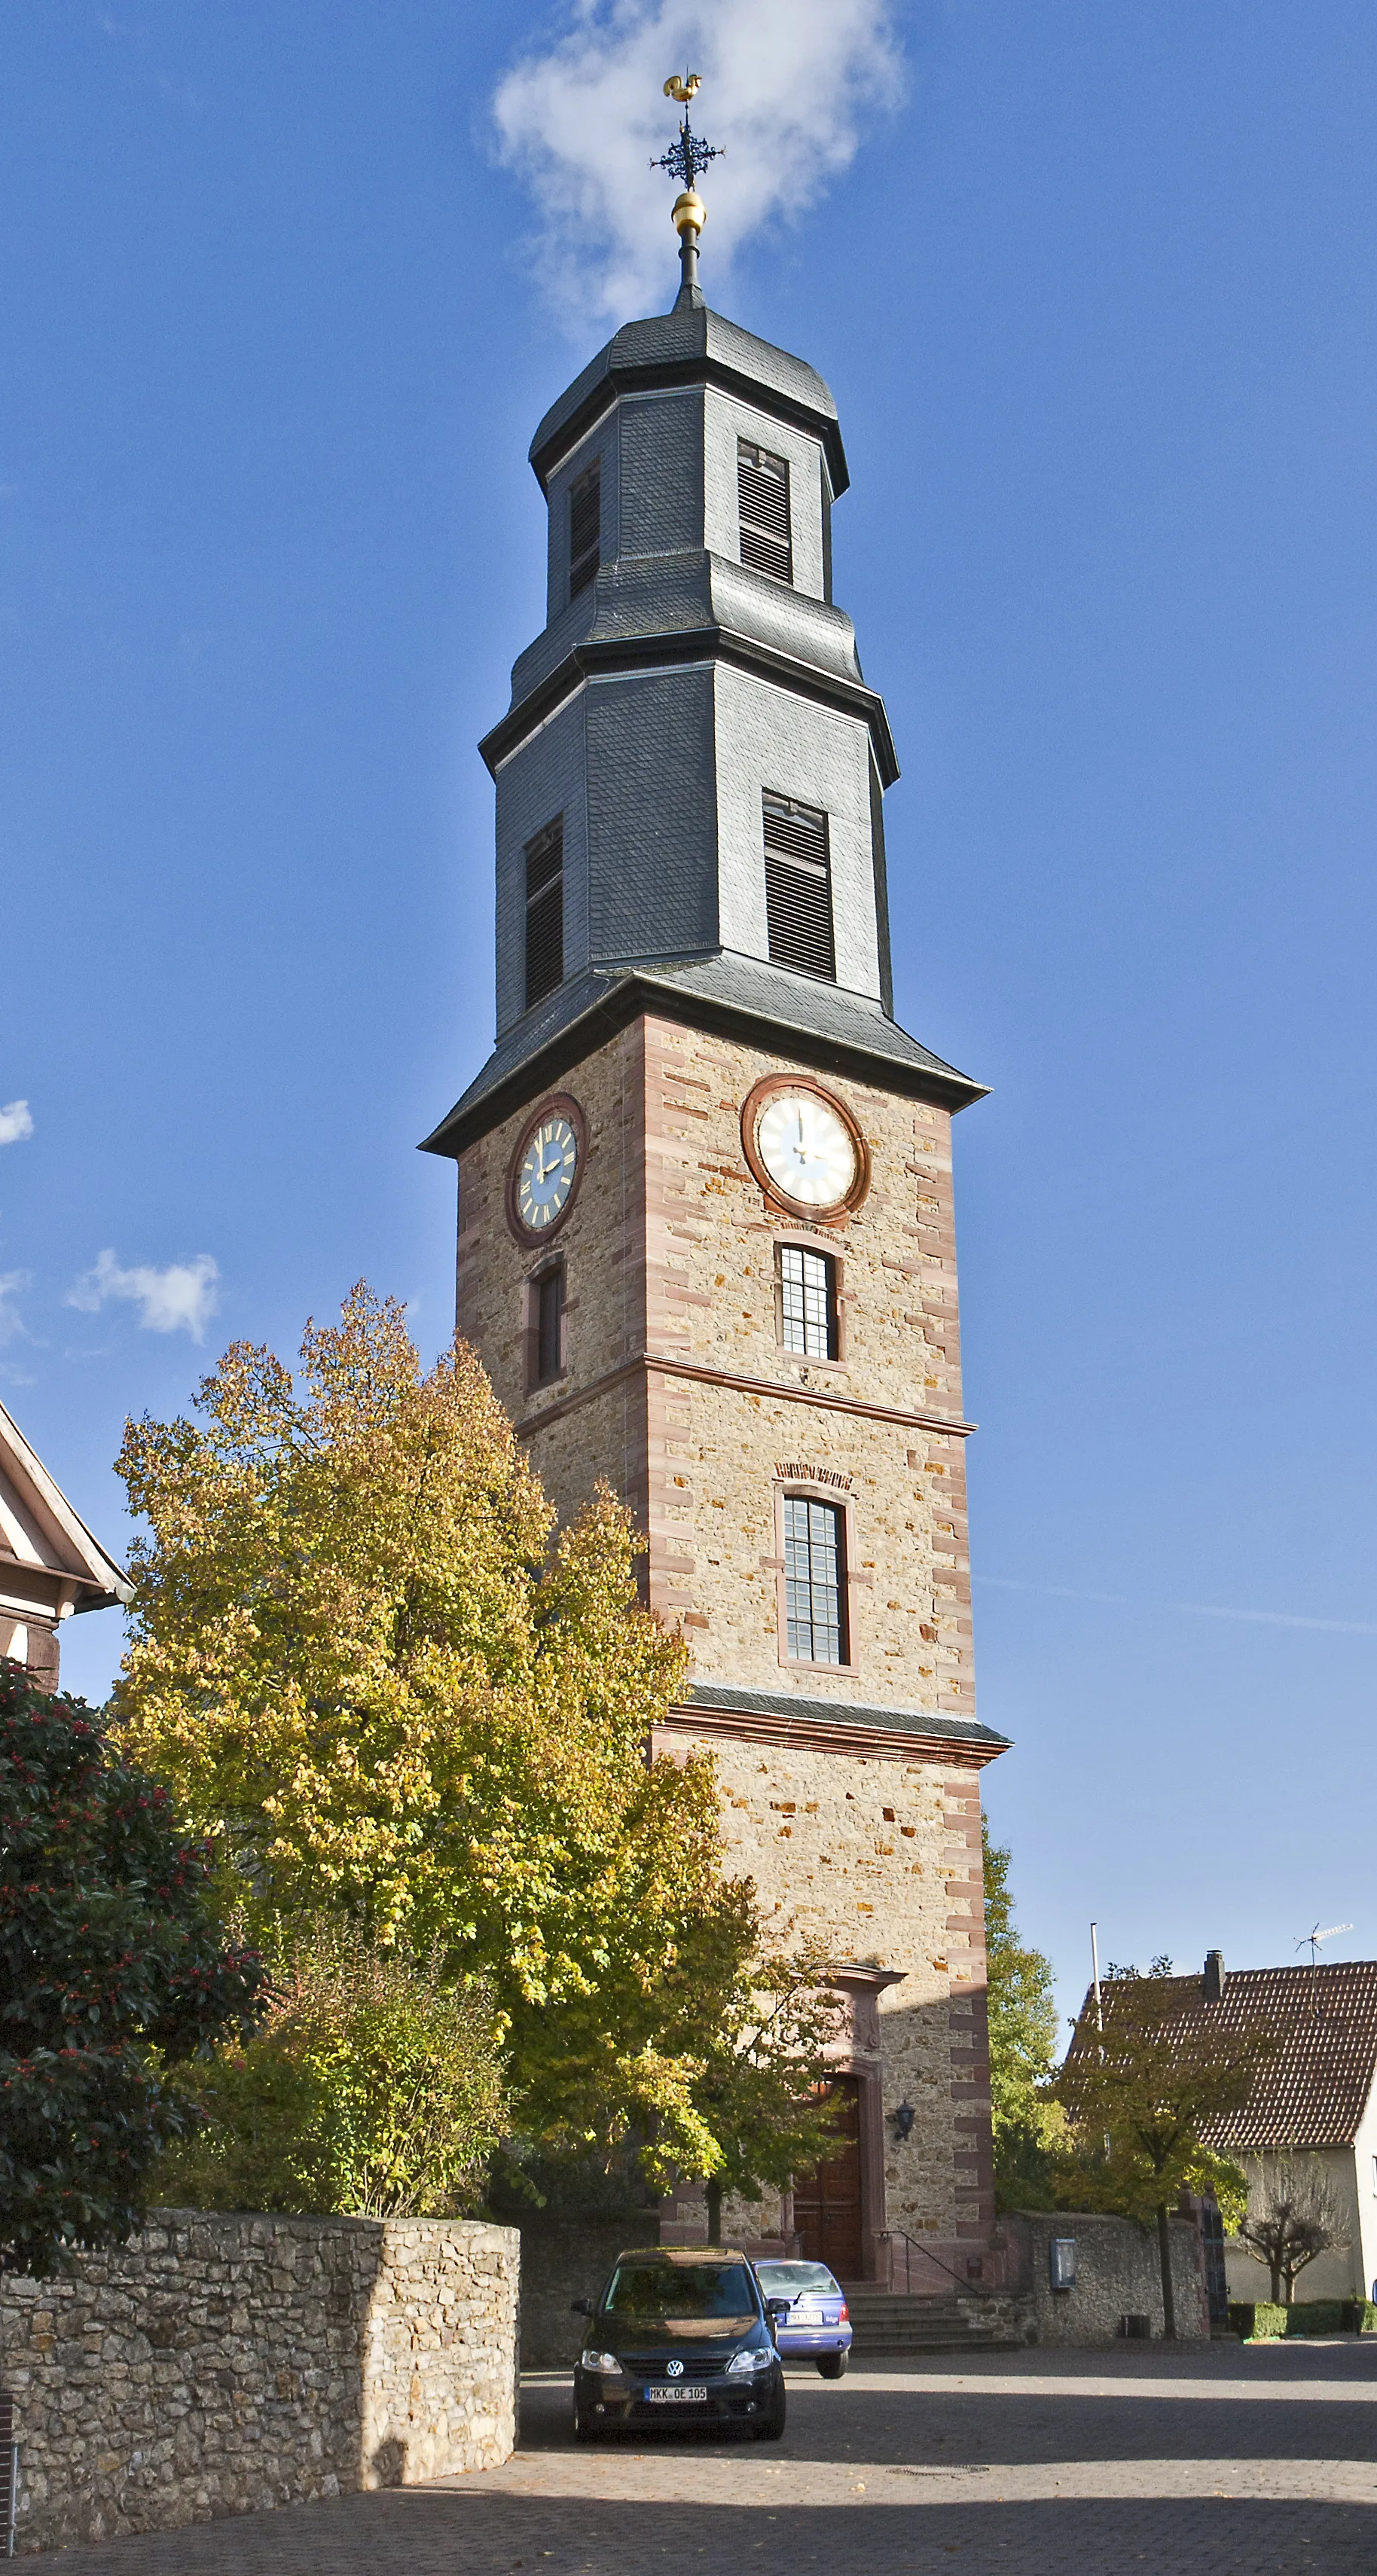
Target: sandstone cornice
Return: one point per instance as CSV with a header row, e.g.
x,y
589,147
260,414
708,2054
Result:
x,y
668,1364
825,1726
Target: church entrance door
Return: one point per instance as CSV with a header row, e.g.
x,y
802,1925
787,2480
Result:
x,y
827,2202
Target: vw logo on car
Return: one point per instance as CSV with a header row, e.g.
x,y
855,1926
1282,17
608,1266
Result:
x,y
675,2370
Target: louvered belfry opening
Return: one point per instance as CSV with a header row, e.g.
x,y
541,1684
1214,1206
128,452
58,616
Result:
x,y
762,485
545,911
798,888
585,528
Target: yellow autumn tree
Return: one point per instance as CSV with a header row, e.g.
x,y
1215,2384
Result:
x,y
375,1677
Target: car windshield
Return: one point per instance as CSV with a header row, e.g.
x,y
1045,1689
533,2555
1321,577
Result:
x,y
681,2290
786,2280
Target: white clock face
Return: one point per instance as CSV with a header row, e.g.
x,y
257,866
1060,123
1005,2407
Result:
x,y
808,1151
547,1173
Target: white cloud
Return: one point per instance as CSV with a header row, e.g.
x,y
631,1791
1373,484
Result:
x,y
787,85
16,1125
179,1299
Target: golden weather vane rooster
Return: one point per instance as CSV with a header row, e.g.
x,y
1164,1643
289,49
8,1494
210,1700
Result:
x,y
687,155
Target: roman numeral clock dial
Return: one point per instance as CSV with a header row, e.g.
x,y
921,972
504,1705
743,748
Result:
x,y
804,1148
546,1174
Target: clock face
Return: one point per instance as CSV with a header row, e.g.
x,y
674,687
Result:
x,y
547,1171
807,1149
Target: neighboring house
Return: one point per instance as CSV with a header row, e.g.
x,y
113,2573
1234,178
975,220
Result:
x,y
50,1566
1315,2098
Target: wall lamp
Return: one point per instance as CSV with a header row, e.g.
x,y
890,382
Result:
x,y
903,2120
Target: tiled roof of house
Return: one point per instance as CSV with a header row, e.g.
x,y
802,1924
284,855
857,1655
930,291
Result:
x,y
1313,2091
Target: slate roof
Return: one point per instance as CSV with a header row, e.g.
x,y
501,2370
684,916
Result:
x,y
1314,2091
837,1712
691,343
798,1014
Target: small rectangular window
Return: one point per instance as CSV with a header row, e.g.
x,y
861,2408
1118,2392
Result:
x,y
545,911
798,888
585,528
762,491
814,1581
547,1325
807,1302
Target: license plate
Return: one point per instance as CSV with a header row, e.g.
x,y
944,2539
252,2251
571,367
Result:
x,y
675,2396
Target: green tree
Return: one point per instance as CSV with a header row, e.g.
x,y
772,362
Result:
x,y
765,2066
374,2090
1138,2095
382,1686
1023,2044
112,1969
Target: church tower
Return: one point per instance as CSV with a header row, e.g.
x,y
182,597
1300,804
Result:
x,y
706,1241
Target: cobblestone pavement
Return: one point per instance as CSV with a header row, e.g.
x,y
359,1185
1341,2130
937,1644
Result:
x,y
1232,2461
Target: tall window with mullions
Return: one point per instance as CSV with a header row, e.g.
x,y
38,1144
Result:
x,y
814,1581
807,1302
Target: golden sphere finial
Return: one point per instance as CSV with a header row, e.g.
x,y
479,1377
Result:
x,y
688,211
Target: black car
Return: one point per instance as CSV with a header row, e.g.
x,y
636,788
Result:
x,y
680,2336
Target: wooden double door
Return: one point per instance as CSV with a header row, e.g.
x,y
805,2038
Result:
x,y
827,2202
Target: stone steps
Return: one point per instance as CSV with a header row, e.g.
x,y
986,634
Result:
x,y
890,2321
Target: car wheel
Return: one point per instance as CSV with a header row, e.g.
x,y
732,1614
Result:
x,y
772,2430
832,2365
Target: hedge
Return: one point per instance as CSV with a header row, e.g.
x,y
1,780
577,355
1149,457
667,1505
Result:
x,y
1265,2319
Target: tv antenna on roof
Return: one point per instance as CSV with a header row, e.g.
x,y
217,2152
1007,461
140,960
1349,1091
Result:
x,y
1311,1940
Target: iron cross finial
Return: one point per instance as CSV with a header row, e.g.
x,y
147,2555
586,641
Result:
x,y
687,155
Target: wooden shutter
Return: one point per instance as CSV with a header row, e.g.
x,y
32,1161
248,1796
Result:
x,y
798,888
545,911
762,488
585,528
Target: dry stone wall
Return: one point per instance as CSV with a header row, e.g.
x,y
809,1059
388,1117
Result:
x,y
220,2365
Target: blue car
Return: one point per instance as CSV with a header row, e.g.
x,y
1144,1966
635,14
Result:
x,y
817,2327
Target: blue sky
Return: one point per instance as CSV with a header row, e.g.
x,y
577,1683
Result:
x,y
1095,293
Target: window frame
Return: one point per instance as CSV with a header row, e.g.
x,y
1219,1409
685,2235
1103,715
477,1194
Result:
x,y
536,1281
795,1490
807,1243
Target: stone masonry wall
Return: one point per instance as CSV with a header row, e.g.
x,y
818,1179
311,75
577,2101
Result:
x,y
1118,2273
676,1386
866,1858
219,2365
